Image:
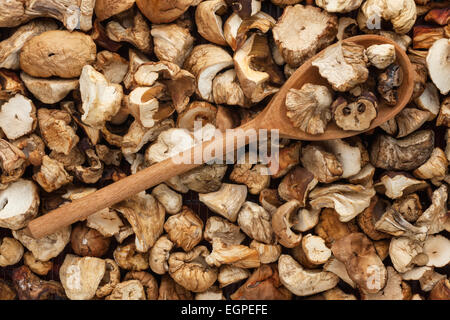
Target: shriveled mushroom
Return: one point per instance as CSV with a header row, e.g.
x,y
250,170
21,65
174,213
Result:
x,y
10,47
191,269
347,27
41,268
331,229
258,74
429,100
101,99
146,216
309,108
255,221
11,251
88,242
438,64
435,168
324,165
184,229
19,204
441,291
409,120
10,84
396,184
437,248
388,83
296,185
357,115
127,290
171,200
170,290
169,143
172,42
316,27
229,274
164,12
51,175
227,201
204,62
254,176
47,247
17,117
226,89
338,268
402,14
148,282
444,113
381,55
348,200
130,26
343,65
316,252
49,91
105,9
127,258
159,254
430,279
288,157
234,254
207,179
208,21
303,282
46,55
282,223
268,253
80,277
337,294
369,217
219,228
112,65
405,253
403,154
363,265
435,216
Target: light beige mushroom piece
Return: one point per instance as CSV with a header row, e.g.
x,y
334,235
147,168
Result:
x,y
257,72
233,254
339,5
338,268
73,13
56,131
49,91
227,89
435,217
105,221
395,288
429,100
146,216
405,253
184,229
192,270
127,258
268,253
402,14
316,27
381,55
205,62
136,58
220,228
171,200
47,247
303,282
343,65
51,175
131,27
364,177
169,143
209,22
282,223
435,169
347,27
444,113
128,290
230,274
205,179
309,108
396,185
10,47
45,55
20,204
437,248
17,117
142,106
348,200
11,251
80,277
101,99
172,42
255,221
159,254
438,64
316,252
429,280
112,65
307,218
227,201
213,293
324,165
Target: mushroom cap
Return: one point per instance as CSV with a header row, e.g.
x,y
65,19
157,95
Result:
x,y
20,203
283,221
17,117
437,248
302,282
230,274
438,64
217,227
164,11
159,254
209,22
105,9
171,42
255,221
184,229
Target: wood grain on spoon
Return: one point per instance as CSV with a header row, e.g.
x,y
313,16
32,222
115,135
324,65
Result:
x,y
272,117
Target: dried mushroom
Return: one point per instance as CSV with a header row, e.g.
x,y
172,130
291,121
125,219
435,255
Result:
x,y
233,254
381,55
283,221
88,242
159,254
41,268
255,221
324,165
219,228
438,64
51,175
172,42
357,115
184,229
127,258
254,176
388,83
11,251
127,290
17,117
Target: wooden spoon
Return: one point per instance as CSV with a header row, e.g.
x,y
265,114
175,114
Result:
x,y
272,117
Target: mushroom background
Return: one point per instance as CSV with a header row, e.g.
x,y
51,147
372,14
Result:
x,y
87,100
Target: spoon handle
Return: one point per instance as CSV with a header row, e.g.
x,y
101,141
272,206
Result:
x,y
118,191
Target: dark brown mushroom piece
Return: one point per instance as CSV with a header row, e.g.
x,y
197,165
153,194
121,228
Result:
x,y
6,293
388,82
88,242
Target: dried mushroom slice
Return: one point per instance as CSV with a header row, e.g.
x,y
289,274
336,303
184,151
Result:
x,y
41,268
283,221
172,42
229,275
324,165
255,221
191,269
159,254
395,288
19,204
358,115
438,64
147,280
184,229
381,55
388,83
315,27
51,175
128,290
339,5
209,22
127,258
11,251
17,117
219,228
309,108
233,254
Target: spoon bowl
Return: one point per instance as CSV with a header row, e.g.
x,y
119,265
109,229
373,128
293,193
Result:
x,y
274,115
